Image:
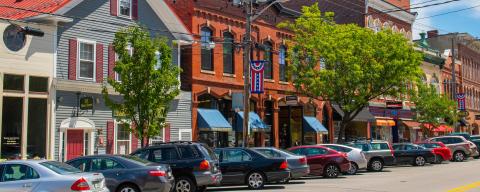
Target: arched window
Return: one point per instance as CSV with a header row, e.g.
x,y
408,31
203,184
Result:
x,y
268,56
395,29
378,25
371,22
386,25
228,53
282,55
207,51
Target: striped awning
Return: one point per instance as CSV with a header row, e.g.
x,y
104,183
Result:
x,y
212,120
255,123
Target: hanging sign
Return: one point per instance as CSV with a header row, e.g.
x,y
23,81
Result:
x,y
461,101
256,70
86,103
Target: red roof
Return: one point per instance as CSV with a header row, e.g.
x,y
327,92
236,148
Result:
x,y
8,8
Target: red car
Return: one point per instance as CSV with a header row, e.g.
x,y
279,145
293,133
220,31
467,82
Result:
x,y
323,161
442,152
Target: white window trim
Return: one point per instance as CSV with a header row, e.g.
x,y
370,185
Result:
x,y
115,140
79,41
119,12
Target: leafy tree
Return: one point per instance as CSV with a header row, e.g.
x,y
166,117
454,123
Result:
x,y
148,81
433,108
346,64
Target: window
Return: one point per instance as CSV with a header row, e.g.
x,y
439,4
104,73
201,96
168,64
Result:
x,y
38,84
397,147
228,53
125,8
37,127
15,172
164,154
235,156
105,164
158,56
315,151
129,48
410,147
60,168
269,153
123,139
298,151
340,149
322,63
207,51
187,152
13,82
380,146
12,122
81,164
86,60
282,54
268,56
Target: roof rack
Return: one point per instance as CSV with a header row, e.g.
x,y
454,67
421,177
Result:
x,y
172,142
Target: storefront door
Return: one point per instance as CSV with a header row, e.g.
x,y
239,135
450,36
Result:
x,y
75,145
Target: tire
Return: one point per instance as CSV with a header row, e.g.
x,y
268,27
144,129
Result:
x,y
375,165
353,168
201,188
331,171
419,161
458,156
128,188
184,184
255,180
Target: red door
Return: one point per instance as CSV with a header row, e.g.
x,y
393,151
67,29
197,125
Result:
x,y
74,144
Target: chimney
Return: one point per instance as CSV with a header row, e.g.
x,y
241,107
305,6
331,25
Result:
x,y
432,33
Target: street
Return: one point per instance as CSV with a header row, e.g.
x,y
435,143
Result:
x,y
449,176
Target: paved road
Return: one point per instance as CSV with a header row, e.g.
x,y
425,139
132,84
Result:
x,y
447,177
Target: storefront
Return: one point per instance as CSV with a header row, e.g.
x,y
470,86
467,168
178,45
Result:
x,y
313,130
214,128
360,128
258,130
382,129
413,131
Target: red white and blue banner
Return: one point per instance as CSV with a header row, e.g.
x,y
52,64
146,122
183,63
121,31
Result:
x,y
461,101
256,71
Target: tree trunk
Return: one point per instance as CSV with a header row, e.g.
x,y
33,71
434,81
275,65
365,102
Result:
x,y
341,132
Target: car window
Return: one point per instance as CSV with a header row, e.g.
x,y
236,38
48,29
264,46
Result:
x,y
456,140
362,146
187,152
142,154
16,172
164,154
430,145
269,152
207,152
298,151
315,151
444,140
380,146
99,164
135,159
235,155
397,147
410,147
81,164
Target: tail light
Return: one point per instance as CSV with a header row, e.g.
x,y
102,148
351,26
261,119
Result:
x,y
303,160
204,165
157,173
80,185
284,165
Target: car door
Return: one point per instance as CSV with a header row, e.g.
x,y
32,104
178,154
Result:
x,y
399,152
235,165
411,152
18,178
113,171
316,158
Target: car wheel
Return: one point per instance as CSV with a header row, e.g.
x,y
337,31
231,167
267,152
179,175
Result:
x,y
438,159
255,180
458,156
353,168
128,188
376,165
331,171
184,184
419,161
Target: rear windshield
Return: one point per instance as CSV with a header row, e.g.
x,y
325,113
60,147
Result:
x,y
430,145
60,168
380,146
207,152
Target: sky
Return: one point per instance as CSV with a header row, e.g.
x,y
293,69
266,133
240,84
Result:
x,y
463,21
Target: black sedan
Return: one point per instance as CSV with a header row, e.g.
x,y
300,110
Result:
x,y
127,173
242,166
408,153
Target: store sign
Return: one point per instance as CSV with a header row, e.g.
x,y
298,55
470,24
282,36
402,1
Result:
x,y
86,103
461,101
11,141
394,104
291,100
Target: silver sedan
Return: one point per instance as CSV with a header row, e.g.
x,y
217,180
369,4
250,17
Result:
x,y
297,164
44,175
355,156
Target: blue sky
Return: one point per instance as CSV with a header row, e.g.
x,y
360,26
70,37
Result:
x,y
464,21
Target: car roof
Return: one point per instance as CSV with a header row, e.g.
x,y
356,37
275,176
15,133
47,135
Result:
x,y
26,161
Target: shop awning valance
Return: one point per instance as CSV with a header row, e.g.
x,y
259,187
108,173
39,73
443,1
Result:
x,y
412,124
363,116
212,120
311,124
255,123
384,122
81,123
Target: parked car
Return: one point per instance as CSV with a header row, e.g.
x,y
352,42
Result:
x,y
323,161
441,152
470,138
378,153
127,173
354,155
296,163
44,175
476,140
416,155
460,147
193,165
242,166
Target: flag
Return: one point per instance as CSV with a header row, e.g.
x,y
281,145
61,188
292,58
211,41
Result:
x,y
461,101
256,70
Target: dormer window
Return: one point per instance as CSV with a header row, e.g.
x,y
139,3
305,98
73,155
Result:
x,y
125,8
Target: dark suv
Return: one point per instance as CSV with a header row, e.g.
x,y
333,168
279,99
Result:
x,y
377,153
194,165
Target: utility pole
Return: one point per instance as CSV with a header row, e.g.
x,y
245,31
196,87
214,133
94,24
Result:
x,y
246,71
454,77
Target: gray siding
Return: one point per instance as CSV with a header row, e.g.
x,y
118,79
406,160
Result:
x,y
179,116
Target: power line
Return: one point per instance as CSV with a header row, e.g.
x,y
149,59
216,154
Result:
x,y
450,12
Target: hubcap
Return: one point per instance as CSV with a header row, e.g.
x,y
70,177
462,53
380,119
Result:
x,y
459,157
376,165
332,171
127,189
182,186
420,161
255,180
353,169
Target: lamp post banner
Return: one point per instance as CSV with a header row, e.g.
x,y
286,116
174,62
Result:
x,y
461,101
256,69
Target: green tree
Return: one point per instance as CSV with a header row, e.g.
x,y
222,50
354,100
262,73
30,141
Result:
x,y
346,64
433,108
148,81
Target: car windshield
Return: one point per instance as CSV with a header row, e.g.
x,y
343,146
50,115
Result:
x,y
208,151
136,159
60,168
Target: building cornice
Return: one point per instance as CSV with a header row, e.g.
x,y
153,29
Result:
x,y
76,86
403,15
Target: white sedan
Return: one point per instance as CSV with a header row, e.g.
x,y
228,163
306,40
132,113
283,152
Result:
x,y
355,156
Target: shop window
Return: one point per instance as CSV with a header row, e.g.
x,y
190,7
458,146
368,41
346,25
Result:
x,y
268,56
282,55
13,82
207,101
207,51
253,106
16,172
125,8
11,127
309,110
86,60
228,53
37,128
123,141
38,84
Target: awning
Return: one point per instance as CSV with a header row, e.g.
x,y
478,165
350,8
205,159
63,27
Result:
x,y
363,116
212,120
80,123
412,124
440,128
311,124
254,122
384,122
